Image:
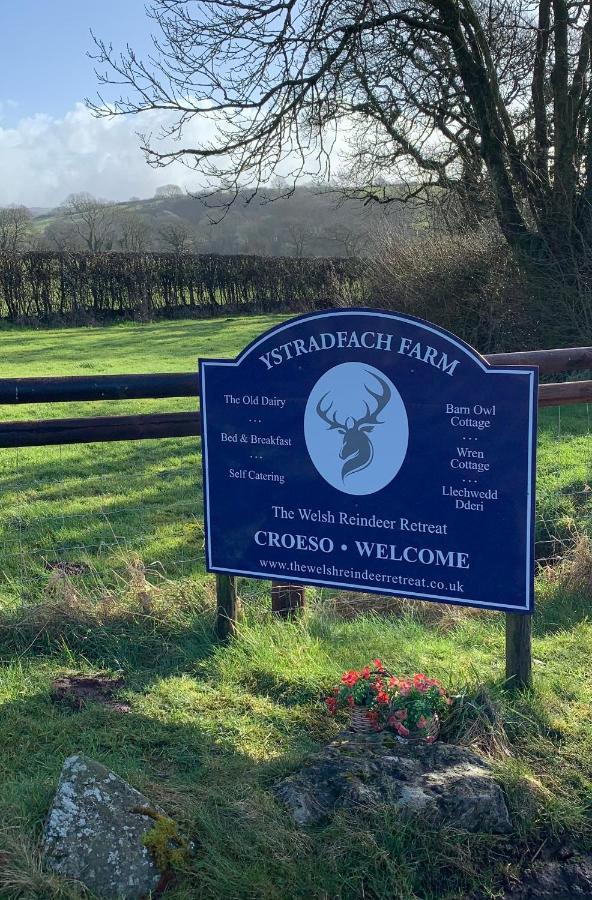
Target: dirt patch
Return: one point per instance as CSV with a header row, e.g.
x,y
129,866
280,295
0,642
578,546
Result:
x,y
555,881
67,568
75,691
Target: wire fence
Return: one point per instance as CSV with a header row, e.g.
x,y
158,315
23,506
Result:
x,y
92,514
564,478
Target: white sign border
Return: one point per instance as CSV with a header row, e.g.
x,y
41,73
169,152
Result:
x,y
476,358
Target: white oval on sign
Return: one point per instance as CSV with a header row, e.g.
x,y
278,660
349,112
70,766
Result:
x,y
356,428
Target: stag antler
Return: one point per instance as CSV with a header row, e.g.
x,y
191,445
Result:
x,y
382,400
357,449
324,414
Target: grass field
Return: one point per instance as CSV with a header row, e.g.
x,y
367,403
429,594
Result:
x,y
212,727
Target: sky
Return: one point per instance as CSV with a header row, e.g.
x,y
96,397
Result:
x,y
50,145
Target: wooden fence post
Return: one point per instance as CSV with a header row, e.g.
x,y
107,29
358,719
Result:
x,y
287,600
227,606
518,650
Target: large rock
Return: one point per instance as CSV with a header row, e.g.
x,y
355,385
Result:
x,y
441,781
94,832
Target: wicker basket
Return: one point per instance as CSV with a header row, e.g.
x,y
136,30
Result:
x,y
362,725
358,722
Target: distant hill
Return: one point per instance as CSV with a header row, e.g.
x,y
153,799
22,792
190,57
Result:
x,y
37,211
307,223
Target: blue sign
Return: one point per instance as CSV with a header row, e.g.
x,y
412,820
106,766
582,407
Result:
x,y
376,452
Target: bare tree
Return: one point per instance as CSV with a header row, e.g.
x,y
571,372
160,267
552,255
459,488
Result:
x,y
134,234
15,228
298,236
351,242
92,220
61,236
168,191
485,98
176,236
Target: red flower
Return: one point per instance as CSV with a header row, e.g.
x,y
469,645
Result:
x,y
402,730
365,673
331,704
397,718
382,697
422,722
350,700
421,682
350,678
404,687
378,665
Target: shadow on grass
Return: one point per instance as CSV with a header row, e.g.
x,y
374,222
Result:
x,y
150,502
104,461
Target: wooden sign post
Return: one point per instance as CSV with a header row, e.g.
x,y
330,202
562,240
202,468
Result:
x,y
518,651
227,606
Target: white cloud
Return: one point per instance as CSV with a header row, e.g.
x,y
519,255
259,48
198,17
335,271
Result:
x,y
43,159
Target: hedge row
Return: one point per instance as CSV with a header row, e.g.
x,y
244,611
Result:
x,y
75,286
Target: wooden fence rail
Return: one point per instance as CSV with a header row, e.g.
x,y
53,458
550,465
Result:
x,y
91,429
75,388
47,432
98,429
185,384
566,359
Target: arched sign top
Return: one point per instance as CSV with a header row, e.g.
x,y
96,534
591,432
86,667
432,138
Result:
x,y
371,451
326,317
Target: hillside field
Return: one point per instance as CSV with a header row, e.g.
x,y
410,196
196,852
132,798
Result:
x,y
309,222
102,570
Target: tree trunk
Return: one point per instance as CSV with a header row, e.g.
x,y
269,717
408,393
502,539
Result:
x,y
479,85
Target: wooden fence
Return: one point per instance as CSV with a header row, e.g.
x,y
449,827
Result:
x,y
285,598
44,432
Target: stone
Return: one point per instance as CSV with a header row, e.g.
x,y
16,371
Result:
x,y
440,782
94,832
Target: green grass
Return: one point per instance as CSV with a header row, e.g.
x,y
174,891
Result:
x,y
95,503
212,727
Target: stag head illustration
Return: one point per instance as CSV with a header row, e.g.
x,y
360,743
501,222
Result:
x,y
357,449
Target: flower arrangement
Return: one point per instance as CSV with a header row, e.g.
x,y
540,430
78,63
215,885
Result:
x,y
409,706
